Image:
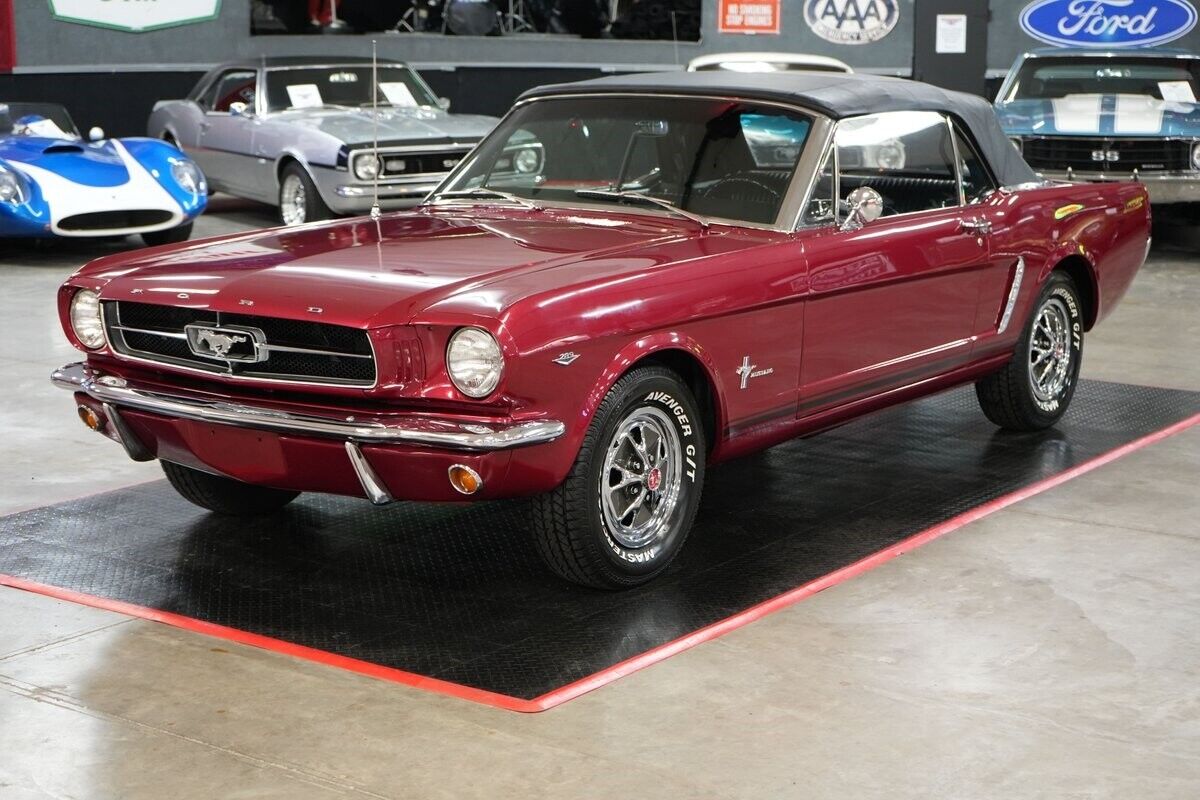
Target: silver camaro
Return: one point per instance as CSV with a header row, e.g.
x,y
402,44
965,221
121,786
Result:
x,y
298,133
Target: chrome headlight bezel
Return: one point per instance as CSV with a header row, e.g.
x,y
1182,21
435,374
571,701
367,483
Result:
x,y
526,161
1018,143
474,362
188,176
368,166
86,321
1196,155
13,187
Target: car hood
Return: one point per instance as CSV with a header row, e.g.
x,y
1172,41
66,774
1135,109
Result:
x,y
87,163
357,126
364,273
1126,115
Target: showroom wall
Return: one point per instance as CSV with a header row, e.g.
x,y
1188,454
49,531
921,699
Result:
x,y
57,59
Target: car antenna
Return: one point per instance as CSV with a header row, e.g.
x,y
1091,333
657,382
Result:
x,y
375,128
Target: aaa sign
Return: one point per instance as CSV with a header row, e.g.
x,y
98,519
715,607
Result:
x,y
753,16
136,16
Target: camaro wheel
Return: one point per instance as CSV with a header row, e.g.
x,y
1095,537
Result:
x,y
1036,386
299,200
180,233
623,513
225,495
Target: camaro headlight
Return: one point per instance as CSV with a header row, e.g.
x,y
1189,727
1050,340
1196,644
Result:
x,y
526,160
890,155
188,176
474,362
1196,156
367,167
85,319
1017,143
12,187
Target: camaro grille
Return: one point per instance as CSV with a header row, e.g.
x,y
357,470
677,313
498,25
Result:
x,y
268,348
1097,154
114,220
399,165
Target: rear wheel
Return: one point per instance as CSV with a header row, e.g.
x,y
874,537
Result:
x,y
1034,389
225,495
299,200
180,233
624,511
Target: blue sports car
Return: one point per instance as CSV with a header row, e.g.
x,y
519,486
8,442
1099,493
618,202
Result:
x,y
54,183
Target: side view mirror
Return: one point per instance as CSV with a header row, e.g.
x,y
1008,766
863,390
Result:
x,y
443,103
96,134
865,206
238,109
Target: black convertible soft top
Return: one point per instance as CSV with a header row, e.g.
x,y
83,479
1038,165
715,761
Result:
x,y
832,94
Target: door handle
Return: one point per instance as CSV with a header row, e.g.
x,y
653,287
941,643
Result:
x,y
975,225
205,126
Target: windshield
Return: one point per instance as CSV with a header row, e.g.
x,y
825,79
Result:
x,y
714,157
36,119
1175,79
345,86
769,66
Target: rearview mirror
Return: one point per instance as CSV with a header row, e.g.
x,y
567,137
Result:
x,y
865,206
96,134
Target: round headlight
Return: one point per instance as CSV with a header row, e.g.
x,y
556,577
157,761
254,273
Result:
x,y
85,319
188,176
890,155
12,188
526,161
1196,156
366,168
474,362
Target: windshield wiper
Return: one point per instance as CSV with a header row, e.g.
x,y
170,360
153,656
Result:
x,y
483,192
638,197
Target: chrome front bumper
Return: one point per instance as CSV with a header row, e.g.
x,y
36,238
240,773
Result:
x,y
344,195
1163,187
426,431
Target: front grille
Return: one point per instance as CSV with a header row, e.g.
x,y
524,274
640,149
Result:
x,y
296,350
114,220
1095,154
401,165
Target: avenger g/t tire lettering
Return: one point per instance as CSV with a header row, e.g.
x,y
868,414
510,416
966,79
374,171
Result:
x,y
1034,389
626,507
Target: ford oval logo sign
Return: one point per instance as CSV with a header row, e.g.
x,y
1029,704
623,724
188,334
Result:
x,y
1108,23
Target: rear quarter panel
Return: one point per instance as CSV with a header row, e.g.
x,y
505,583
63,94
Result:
x,y
1103,226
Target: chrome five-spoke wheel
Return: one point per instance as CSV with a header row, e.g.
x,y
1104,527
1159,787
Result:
x,y
640,482
625,508
1050,350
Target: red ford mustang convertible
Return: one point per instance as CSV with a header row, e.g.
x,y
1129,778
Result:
x,y
630,279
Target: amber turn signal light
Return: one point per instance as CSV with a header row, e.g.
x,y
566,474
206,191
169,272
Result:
x,y
465,480
90,418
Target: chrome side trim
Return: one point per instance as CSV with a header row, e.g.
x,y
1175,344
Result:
x,y
374,488
1011,303
437,432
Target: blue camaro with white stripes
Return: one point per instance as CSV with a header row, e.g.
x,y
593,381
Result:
x,y
53,183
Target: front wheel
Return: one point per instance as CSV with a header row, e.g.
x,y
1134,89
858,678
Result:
x,y
225,495
626,507
299,199
1034,389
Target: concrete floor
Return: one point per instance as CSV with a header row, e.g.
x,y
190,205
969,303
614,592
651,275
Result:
x,y
1049,650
